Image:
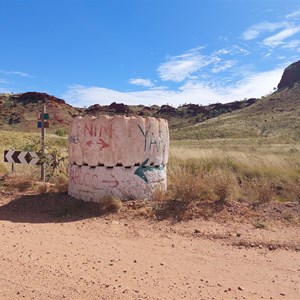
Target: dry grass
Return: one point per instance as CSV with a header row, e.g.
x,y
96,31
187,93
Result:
x,y
17,182
218,172
58,184
198,176
109,204
228,175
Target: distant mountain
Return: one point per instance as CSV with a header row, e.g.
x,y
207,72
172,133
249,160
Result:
x,y
20,111
274,116
277,115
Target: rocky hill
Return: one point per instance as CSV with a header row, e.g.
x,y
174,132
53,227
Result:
x,y
275,116
291,75
20,111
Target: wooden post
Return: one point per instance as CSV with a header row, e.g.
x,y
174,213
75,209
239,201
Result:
x,y
43,132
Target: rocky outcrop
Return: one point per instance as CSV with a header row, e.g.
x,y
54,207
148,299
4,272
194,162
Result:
x,y
147,111
113,108
195,109
166,111
34,97
22,110
290,76
119,108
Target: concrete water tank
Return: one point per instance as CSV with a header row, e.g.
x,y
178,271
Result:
x,y
117,156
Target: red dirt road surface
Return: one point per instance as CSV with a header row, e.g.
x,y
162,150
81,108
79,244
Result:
x,y
45,256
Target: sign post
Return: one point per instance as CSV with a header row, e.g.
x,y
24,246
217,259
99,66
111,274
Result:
x,y
13,164
43,125
32,158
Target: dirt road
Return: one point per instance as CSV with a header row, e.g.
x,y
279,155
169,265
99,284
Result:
x,y
48,257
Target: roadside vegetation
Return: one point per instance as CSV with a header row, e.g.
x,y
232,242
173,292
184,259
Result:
x,y
204,176
218,173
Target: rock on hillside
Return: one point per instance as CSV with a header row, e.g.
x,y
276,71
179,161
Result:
x,y
177,117
22,110
113,108
290,76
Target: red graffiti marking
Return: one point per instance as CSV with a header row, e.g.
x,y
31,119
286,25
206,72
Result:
x,y
107,130
90,179
112,183
100,130
91,130
102,144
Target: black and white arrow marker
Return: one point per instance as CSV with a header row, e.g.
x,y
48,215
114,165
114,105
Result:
x,y
21,157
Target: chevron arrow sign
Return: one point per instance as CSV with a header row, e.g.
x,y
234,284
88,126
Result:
x,y
21,157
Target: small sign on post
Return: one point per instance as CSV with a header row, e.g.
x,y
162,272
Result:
x,y
39,124
43,125
32,158
45,116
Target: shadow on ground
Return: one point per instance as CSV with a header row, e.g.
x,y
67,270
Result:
x,y
48,208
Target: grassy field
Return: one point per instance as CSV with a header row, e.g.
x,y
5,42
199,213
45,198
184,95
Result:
x,y
275,117
236,169
215,170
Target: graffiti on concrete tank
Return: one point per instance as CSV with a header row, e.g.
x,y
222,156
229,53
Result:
x,y
140,171
151,140
74,139
118,157
98,130
145,134
90,179
102,144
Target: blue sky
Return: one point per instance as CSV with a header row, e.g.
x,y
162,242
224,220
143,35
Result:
x,y
147,52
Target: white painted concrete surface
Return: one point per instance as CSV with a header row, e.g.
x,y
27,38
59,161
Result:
x,y
111,141
119,156
91,184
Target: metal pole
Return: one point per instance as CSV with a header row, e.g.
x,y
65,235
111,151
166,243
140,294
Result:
x,y
12,164
43,131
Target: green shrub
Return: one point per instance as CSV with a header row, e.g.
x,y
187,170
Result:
x,y
61,132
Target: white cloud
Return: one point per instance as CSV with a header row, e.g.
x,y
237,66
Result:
x,y
17,73
294,15
193,91
4,90
277,39
291,44
223,66
233,50
255,85
141,81
238,49
223,51
257,29
186,66
179,68
3,81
